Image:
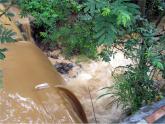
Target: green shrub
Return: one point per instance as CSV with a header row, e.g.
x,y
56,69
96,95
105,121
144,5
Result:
x,y
136,87
80,26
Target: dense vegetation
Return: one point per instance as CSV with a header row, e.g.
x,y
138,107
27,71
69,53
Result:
x,y
136,87
81,26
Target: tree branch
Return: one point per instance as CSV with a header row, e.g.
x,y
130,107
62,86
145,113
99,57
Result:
x,y
160,18
5,11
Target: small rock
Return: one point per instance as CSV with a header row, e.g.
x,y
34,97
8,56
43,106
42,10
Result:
x,y
64,68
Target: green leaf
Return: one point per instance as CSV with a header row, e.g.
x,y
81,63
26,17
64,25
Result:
x,y
90,7
6,35
123,18
106,11
160,66
157,63
2,56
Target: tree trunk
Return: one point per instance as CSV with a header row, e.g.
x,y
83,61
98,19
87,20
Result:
x,y
142,4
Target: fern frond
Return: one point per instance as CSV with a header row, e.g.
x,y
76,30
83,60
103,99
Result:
x,y
105,31
6,35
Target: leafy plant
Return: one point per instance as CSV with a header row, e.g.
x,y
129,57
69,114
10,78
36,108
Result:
x,y
136,87
80,26
6,35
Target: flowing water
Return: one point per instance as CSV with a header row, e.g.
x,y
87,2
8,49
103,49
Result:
x,y
85,80
88,80
25,97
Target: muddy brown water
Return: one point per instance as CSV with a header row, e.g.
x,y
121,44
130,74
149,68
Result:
x,y
20,99
19,96
94,75
32,90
